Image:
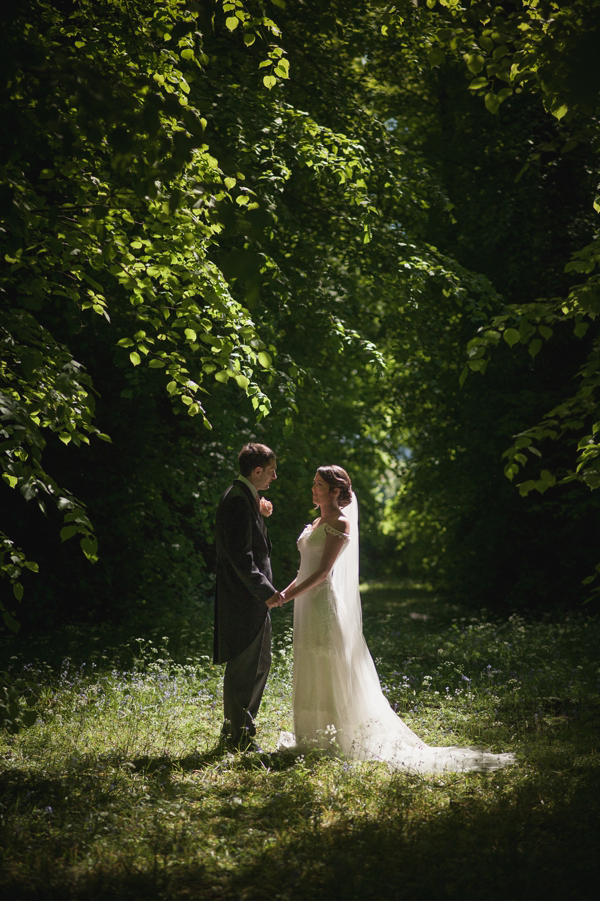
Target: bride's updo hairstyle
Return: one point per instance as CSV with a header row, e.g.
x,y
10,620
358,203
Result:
x,y
336,477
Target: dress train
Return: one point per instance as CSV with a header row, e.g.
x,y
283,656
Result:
x,y
338,705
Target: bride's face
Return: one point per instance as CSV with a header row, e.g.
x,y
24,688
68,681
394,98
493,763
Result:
x,y
321,491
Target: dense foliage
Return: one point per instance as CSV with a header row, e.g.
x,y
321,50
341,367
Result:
x,y
123,226
219,210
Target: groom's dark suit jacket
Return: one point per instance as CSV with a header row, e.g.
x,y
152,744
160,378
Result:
x,y
244,577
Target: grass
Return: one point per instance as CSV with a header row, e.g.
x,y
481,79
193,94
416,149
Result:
x,y
117,791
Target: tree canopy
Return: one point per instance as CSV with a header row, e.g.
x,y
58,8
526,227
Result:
x,y
335,216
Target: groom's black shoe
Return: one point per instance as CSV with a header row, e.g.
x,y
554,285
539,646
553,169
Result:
x,y
249,744
245,743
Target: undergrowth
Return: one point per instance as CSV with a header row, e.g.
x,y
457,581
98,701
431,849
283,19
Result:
x,y
118,789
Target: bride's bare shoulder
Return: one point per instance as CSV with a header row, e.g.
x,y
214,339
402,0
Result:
x,y
338,522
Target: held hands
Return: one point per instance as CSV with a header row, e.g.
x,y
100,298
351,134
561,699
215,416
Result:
x,y
276,600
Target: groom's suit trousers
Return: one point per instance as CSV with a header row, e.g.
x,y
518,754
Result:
x,y
243,686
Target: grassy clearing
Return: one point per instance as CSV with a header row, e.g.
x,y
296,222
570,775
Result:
x,y
117,790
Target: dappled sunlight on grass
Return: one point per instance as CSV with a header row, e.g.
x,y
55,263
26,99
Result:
x,y
406,597
119,790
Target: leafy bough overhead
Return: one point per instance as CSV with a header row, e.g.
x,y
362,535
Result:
x,y
113,206
42,388
532,325
548,49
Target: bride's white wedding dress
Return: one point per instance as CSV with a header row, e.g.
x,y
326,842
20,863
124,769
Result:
x,y
337,700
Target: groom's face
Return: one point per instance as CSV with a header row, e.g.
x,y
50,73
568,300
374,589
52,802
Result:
x,y
265,475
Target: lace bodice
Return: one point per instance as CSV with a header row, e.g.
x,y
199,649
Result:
x,y
311,543
329,530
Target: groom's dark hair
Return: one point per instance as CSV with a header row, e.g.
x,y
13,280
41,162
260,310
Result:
x,y
253,455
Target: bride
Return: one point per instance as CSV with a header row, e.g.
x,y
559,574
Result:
x,y
337,700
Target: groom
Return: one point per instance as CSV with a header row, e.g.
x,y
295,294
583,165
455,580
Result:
x,y
244,592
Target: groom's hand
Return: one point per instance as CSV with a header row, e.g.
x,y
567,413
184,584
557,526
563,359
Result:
x,y
276,600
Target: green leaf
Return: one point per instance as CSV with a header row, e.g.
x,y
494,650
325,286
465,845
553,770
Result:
x,y
242,381
18,591
478,365
67,532
28,717
511,336
89,546
135,358
9,621
283,68
526,487
265,359
269,81
475,62
436,56
478,83
581,328
232,22
492,102
535,346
